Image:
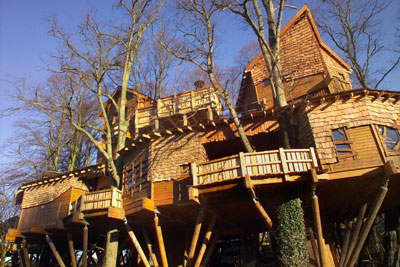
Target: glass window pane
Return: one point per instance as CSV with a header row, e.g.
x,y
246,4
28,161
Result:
x,y
392,137
337,135
343,146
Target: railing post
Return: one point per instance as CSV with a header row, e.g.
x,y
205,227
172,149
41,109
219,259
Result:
x,y
192,99
314,158
174,105
194,173
285,168
158,108
242,163
82,205
113,197
136,123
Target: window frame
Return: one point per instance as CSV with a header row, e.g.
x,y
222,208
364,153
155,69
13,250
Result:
x,y
343,153
134,175
383,135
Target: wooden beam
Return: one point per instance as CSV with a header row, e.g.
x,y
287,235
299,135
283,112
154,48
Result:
x,y
136,244
356,232
318,226
369,222
345,244
85,246
160,239
266,218
71,249
26,254
314,246
196,233
55,252
211,248
150,247
206,241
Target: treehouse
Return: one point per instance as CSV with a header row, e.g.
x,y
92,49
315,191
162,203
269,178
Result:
x,y
190,191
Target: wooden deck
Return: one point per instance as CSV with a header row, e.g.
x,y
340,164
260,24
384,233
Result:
x,y
98,202
183,103
282,162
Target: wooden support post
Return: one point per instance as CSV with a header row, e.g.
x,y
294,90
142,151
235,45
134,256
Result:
x,y
206,241
345,245
160,239
136,244
55,252
314,246
196,233
150,247
71,249
211,248
187,244
318,226
85,246
26,254
356,232
284,164
210,116
193,169
21,257
267,220
368,224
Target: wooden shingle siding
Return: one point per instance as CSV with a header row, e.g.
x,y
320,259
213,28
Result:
x,y
347,112
45,193
166,154
365,147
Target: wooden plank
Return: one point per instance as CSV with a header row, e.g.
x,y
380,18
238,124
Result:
x,y
206,241
196,233
150,247
136,244
160,240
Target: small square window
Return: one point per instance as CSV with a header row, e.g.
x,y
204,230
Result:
x,y
342,143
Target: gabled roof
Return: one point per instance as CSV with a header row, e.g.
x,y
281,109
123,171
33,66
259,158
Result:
x,y
306,12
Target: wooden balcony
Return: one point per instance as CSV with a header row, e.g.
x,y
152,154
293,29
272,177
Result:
x,y
282,162
183,103
98,203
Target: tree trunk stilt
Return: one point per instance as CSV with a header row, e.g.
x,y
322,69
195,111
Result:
x,y
55,252
150,247
137,244
345,245
196,233
211,248
368,224
71,249
85,246
318,226
356,232
160,239
206,241
26,254
314,246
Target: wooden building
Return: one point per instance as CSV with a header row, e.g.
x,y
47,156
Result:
x,y
189,190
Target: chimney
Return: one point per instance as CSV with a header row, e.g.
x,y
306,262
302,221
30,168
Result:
x,y
199,84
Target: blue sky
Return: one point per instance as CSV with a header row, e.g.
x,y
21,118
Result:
x,y
25,45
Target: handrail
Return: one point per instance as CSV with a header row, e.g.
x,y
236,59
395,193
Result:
x,y
178,104
255,164
97,200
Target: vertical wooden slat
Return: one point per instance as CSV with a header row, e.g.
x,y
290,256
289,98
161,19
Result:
x,y
284,164
194,173
242,164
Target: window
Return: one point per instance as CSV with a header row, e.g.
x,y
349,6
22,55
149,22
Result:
x,y
342,143
266,82
390,137
136,173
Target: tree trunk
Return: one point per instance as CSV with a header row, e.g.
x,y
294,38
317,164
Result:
x,y
111,249
249,255
291,233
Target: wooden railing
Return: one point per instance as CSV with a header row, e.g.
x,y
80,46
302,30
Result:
x,y
178,104
265,163
98,200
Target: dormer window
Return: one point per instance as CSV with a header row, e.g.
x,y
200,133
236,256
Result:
x,y
390,137
342,143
